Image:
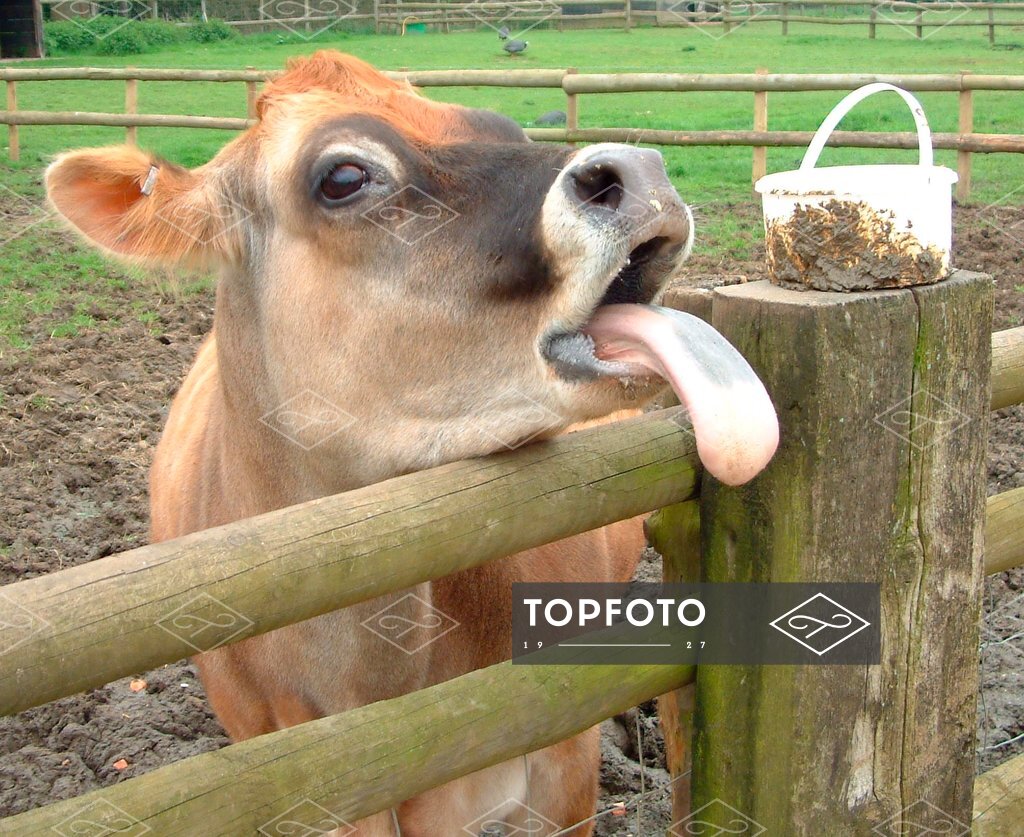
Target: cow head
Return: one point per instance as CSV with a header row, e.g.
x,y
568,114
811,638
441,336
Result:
x,y
420,267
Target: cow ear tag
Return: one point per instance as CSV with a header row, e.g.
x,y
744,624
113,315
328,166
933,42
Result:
x,y
147,187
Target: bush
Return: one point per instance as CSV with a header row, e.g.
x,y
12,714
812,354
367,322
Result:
x,y
159,33
64,36
127,40
206,32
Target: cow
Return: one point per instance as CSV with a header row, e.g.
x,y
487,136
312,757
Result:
x,y
452,289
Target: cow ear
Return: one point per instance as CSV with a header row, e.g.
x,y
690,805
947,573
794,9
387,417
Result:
x,y
138,207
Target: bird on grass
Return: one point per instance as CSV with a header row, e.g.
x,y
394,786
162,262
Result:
x,y
503,33
515,47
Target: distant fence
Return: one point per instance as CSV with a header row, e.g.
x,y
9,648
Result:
x,y
966,142
717,18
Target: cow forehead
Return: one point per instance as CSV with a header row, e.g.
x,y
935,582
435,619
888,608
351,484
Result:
x,y
329,84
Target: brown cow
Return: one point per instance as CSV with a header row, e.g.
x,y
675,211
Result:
x,y
425,273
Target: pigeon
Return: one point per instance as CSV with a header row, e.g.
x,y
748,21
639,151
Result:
x,y
552,117
503,33
515,47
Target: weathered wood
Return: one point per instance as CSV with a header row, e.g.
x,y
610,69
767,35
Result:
x,y
963,157
88,625
572,113
13,144
760,152
131,107
981,143
1007,368
365,760
122,120
883,403
999,800
675,533
1004,518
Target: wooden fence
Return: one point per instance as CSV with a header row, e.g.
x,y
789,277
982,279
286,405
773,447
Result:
x,y
574,85
906,510
718,18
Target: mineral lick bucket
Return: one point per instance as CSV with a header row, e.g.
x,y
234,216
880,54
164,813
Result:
x,y
845,228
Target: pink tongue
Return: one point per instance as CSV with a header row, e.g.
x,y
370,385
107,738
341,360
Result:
x,y
733,418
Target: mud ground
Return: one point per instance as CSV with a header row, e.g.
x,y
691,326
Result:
x,y
78,422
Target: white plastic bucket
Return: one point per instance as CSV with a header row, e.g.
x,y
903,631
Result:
x,y
858,227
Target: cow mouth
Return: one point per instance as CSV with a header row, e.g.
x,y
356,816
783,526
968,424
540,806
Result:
x,y
574,355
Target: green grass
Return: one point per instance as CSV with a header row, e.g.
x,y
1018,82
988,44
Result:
x,y
40,276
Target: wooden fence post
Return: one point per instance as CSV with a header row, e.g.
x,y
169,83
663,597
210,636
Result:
x,y
726,17
991,26
785,17
572,115
13,144
154,10
879,482
760,162
963,157
873,21
251,94
629,15
131,107
918,26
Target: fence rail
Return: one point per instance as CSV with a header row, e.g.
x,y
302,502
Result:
x,y
573,85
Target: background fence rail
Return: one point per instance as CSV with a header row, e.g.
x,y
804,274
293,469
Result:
x,y
574,85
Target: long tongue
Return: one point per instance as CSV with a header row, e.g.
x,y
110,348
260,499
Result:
x,y
733,418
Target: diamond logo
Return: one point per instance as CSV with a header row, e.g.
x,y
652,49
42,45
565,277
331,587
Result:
x,y
306,18
306,819
202,226
1003,216
715,819
920,819
19,214
410,624
505,20
17,624
906,15
700,20
410,215
512,819
99,819
521,419
934,420
92,16
204,623
819,624
308,419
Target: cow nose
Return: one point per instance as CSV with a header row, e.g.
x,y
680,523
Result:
x,y
627,187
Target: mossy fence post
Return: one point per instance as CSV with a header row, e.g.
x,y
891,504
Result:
x,y
883,400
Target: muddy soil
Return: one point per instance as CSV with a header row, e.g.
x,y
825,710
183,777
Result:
x,y
78,423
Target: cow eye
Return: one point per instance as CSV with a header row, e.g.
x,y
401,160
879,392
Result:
x,y
342,182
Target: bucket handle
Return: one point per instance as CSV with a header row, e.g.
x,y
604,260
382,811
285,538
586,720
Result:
x,y
924,134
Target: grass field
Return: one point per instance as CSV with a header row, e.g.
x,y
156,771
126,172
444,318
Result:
x,y
30,283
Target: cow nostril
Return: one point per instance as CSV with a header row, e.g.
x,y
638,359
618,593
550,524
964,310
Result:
x,y
598,186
